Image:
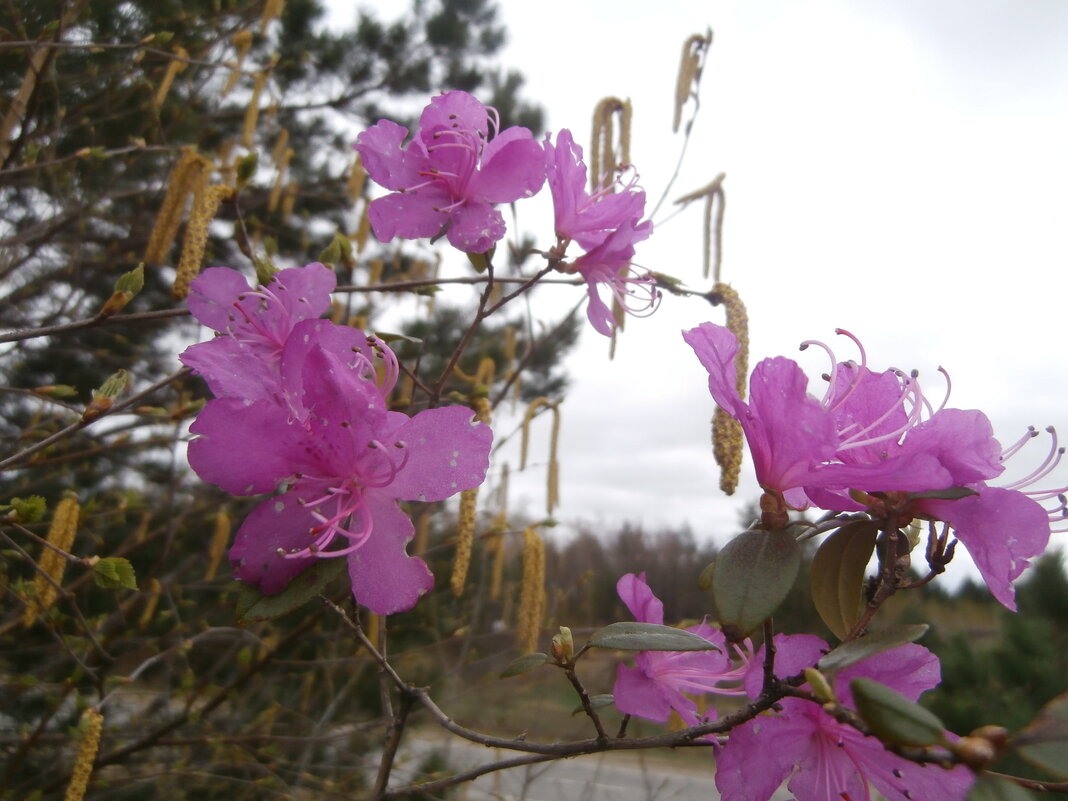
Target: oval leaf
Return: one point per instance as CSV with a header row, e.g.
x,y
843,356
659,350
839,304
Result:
x,y
1044,741
995,788
525,664
849,653
253,606
838,575
596,702
895,719
633,636
752,576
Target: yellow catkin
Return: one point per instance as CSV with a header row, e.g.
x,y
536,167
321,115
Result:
x,y
289,200
51,564
465,530
422,532
531,592
363,229
374,625
465,538
155,589
205,205
271,11
242,41
279,181
141,532
532,409
92,724
690,65
356,181
495,544
715,203
375,269
552,490
281,150
176,66
727,436
186,174
219,540
252,111
603,150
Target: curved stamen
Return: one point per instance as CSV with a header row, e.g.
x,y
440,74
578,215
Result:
x,y
909,387
1010,451
949,387
1053,458
832,374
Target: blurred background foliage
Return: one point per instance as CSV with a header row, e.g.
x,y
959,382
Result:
x,y
101,100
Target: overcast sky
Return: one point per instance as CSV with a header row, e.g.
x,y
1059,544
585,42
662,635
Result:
x,y
897,168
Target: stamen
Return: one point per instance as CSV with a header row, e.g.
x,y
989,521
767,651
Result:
x,y
1010,451
1053,457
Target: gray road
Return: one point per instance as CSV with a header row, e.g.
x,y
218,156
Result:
x,y
596,777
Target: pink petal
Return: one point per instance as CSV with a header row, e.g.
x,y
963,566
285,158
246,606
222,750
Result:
x,y
411,215
635,693
963,441
1002,530
446,451
475,227
386,160
909,669
385,578
513,167
277,523
243,448
716,348
212,296
793,653
639,599
759,756
232,370
454,110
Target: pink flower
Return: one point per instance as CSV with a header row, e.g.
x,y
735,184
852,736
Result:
x,y
662,681
877,433
255,323
344,460
450,176
823,759
607,225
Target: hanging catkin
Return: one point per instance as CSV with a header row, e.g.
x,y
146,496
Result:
x,y
727,436
91,725
52,564
532,592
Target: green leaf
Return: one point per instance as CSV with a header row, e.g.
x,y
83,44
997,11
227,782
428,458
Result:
x,y
132,282
838,570
1044,741
597,702
114,573
950,494
895,719
253,606
849,653
752,576
114,386
995,788
525,664
632,636
29,510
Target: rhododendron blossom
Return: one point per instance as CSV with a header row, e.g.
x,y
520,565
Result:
x,y
607,224
320,427
450,176
255,323
662,681
877,433
820,757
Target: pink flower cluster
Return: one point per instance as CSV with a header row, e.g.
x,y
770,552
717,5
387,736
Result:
x,y
876,433
300,403
459,166
799,743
